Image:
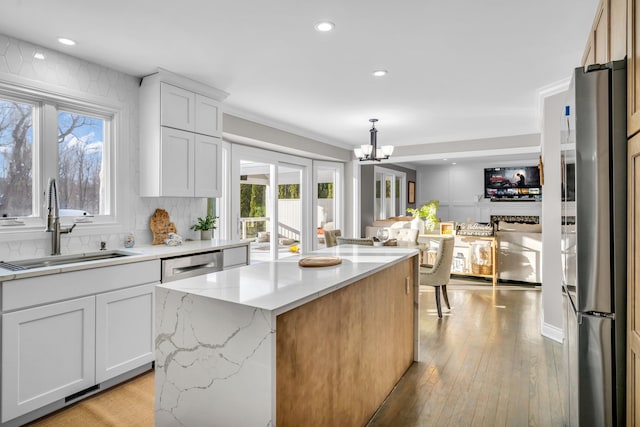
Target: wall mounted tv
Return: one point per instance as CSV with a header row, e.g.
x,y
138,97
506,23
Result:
x,y
512,183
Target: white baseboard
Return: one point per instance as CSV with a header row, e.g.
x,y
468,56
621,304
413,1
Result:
x,y
552,332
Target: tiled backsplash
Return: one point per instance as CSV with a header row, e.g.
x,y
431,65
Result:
x,y
79,78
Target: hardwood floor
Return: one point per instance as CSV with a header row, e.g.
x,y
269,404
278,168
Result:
x,y
484,364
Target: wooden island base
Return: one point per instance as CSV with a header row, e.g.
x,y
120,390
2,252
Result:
x,y
338,357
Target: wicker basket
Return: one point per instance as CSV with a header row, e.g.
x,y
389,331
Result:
x,y
481,269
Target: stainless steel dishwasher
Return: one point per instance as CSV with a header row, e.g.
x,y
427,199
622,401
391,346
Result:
x,y
190,265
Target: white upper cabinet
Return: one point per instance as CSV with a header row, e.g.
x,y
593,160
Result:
x,y
177,108
180,137
208,174
208,116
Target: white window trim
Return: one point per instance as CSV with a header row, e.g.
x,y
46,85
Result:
x,y
403,190
45,125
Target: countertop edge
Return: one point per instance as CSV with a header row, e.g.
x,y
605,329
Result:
x,y
138,254
298,301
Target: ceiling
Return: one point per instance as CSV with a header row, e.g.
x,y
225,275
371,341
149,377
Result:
x,y
458,70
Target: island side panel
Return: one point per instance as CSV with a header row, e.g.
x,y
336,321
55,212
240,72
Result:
x,y
214,362
338,357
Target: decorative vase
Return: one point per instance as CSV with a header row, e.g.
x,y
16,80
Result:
x,y
417,224
206,234
130,240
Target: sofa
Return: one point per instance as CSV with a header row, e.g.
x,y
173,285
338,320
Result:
x,y
519,250
399,229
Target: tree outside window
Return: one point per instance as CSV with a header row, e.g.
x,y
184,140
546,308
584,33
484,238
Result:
x,y
16,154
80,162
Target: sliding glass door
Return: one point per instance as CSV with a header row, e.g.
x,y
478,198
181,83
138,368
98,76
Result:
x,y
271,198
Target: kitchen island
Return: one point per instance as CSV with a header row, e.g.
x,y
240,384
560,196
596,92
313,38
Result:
x,y
305,346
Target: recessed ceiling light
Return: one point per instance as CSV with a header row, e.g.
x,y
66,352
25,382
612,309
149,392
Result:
x,y
380,73
325,26
444,160
453,163
67,42
38,55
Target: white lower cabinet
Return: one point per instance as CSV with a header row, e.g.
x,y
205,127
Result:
x,y
64,333
48,353
124,331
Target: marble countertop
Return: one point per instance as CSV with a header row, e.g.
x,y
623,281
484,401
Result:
x,y
282,285
137,254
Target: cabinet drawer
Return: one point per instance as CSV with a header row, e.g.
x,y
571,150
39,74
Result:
x,y
22,293
234,256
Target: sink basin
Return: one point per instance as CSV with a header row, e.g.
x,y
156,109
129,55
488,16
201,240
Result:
x,y
51,261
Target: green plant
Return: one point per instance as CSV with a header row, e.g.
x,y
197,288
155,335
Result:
x,y
427,212
206,223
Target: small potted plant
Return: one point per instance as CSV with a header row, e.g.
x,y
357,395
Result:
x,y
206,226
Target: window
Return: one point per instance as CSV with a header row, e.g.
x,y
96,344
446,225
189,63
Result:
x,y
69,140
81,163
16,158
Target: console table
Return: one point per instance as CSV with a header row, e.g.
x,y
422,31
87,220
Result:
x,y
464,245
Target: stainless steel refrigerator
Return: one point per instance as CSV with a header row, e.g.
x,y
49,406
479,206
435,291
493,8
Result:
x,y
594,147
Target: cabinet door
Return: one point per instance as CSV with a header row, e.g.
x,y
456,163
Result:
x,y
208,166
601,33
633,67
208,116
177,163
48,353
617,29
589,56
633,284
177,107
124,331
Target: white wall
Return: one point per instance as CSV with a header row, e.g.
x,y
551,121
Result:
x,y
71,76
551,267
460,189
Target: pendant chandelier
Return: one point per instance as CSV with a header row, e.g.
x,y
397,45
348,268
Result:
x,y
371,151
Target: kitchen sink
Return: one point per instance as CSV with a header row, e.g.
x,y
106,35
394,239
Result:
x,y
51,261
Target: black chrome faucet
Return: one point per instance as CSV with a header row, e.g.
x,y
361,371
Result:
x,y
53,219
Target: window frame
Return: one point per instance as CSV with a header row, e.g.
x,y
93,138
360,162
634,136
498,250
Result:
x,y
47,103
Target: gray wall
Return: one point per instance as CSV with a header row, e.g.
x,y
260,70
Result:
x,y
247,132
551,219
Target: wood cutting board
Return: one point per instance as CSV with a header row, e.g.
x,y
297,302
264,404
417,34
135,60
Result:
x,y
319,261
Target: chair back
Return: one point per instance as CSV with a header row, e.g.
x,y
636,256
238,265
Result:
x,y
406,236
330,237
440,273
354,241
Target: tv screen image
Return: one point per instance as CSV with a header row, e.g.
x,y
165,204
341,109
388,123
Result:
x,y
512,183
